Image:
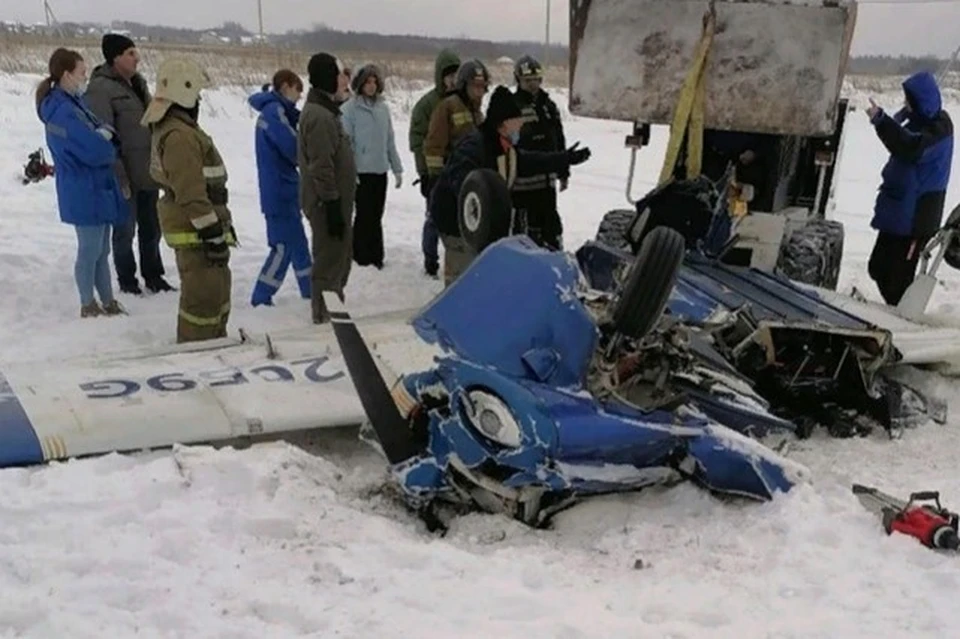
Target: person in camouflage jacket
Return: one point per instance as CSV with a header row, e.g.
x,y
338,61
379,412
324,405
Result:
x,y
445,74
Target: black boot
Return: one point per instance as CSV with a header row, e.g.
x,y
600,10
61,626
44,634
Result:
x,y
159,285
131,287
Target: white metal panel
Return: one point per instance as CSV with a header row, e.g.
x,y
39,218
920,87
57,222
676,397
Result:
x,y
194,394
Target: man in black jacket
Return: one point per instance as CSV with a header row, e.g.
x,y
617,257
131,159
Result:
x,y
542,130
490,146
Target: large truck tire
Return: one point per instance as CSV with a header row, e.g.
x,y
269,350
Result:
x,y
813,254
613,228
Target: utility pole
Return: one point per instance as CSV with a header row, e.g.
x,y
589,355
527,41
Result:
x,y
48,13
260,18
546,41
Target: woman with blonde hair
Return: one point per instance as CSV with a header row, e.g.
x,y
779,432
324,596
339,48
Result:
x,y
88,193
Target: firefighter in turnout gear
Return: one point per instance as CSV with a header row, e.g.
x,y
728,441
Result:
x,y
194,217
457,115
542,131
491,147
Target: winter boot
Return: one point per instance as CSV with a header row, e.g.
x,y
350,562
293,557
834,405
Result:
x,y
159,285
131,287
113,308
91,310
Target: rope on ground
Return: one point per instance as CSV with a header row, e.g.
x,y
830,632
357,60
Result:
x,y
688,118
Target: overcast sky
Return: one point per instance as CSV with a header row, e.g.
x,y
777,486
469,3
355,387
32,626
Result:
x,y
910,27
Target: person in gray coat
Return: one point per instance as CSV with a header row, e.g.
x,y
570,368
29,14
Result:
x,y
328,179
118,95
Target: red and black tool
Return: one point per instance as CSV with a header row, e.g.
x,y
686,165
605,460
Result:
x,y
36,168
930,523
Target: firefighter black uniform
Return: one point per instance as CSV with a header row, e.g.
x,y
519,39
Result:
x,y
536,196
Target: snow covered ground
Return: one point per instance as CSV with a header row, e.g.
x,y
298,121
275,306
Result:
x,y
275,541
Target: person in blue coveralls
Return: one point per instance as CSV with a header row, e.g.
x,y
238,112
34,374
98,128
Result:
x,y
909,205
279,181
88,192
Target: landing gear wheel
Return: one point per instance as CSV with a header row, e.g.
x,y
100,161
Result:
x,y
812,254
484,209
649,283
613,228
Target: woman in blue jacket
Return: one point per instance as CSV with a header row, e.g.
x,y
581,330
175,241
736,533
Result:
x,y
366,119
279,181
88,193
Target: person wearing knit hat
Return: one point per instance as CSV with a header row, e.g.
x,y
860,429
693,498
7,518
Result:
x,y
328,180
327,74
113,45
503,110
489,147
119,96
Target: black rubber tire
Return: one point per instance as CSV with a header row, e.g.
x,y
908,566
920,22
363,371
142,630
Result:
x,y
484,209
613,228
813,254
649,283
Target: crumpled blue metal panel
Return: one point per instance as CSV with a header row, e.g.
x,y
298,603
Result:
x,y
514,328
570,442
515,309
705,288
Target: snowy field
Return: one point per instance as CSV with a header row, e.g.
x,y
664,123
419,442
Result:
x,y
281,540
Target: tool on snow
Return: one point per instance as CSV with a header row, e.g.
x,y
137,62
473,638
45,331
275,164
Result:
x,y
36,168
932,524
946,242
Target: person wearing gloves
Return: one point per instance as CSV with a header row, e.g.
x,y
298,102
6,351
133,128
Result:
x,y
328,180
275,143
542,131
194,217
89,195
491,146
367,120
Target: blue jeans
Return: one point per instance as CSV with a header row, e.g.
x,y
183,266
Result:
x,y
92,269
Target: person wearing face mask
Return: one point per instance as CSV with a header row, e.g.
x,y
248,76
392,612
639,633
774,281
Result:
x,y
492,146
89,195
542,131
194,217
275,144
367,120
328,180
